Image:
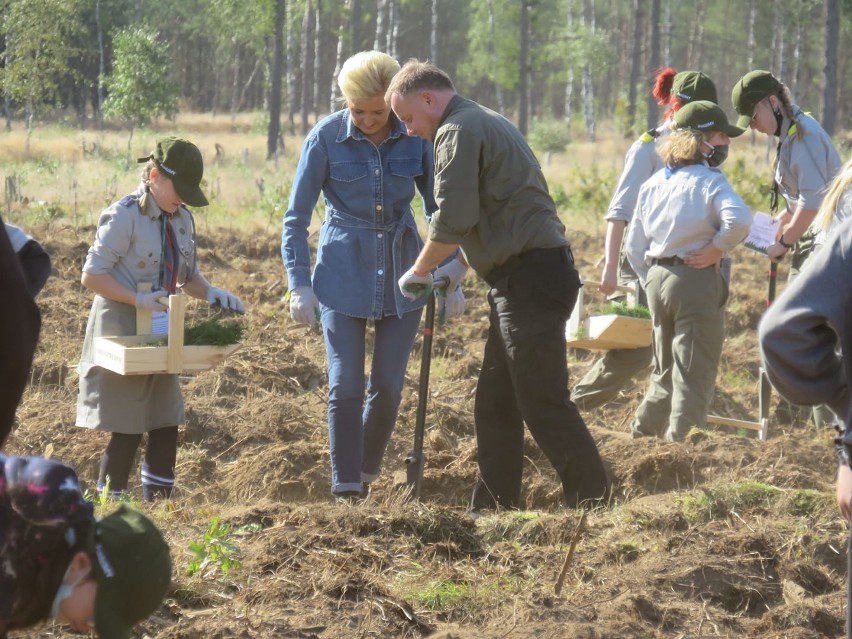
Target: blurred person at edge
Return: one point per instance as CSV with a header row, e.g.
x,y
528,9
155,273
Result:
x,y
493,202
367,169
806,161
803,336
146,237
62,563
35,262
618,367
687,218
19,327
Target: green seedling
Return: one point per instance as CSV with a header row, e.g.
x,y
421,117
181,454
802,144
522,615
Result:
x,y
217,551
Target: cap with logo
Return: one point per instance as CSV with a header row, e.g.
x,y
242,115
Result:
x,y
693,85
133,570
705,116
751,89
182,162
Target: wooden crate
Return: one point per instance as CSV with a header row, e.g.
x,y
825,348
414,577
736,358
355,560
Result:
x,y
145,354
604,332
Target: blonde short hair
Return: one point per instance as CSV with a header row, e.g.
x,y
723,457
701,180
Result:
x,y
417,76
366,75
682,147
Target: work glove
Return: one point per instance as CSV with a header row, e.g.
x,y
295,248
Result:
x,y
453,271
223,299
415,287
151,300
304,306
450,305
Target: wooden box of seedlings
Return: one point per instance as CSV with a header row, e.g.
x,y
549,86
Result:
x,y
628,326
144,354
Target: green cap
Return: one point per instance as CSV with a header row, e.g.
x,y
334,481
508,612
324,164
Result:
x,y
133,570
181,161
693,85
705,116
751,89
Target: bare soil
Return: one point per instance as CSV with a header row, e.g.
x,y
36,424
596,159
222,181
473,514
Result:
x,y
723,535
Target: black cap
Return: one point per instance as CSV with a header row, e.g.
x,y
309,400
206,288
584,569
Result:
x,y
703,115
181,161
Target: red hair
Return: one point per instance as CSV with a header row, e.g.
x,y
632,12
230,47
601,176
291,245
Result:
x,y
663,85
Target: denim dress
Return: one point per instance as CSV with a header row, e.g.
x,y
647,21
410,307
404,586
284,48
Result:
x,y
368,238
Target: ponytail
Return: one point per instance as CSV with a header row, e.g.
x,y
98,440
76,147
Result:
x,y
663,85
828,208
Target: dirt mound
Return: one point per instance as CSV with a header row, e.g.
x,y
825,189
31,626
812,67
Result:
x,y
722,535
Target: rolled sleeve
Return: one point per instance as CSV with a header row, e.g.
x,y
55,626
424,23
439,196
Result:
x,y
810,167
112,241
636,246
456,187
735,218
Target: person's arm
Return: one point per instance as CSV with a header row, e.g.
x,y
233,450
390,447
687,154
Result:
x,y
791,231
844,491
311,173
612,250
432,254
799,333
107,286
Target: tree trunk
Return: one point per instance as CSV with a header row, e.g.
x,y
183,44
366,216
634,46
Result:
x,y
587,91
667,51
355,27
307,65
524,69
779,49
695,41
569,82
379,40
495,61
433,34
334,92
99,119
317,65
274,131
393,27
832,32
292,78
797,57
235,82
751,43
635,65
653,63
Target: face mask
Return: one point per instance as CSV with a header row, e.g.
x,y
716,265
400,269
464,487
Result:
x,y
62,593
718,155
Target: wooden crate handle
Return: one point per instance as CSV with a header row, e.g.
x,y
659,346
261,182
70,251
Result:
x,y
143,315
177,311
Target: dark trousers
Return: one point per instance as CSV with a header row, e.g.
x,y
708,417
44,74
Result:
x,y
524,378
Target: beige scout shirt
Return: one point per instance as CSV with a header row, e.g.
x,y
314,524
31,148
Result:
x,y
129,246
491,194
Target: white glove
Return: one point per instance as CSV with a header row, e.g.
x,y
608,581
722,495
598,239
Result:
x,y
304,306
450,305
415,287
454,271
222,298
151,300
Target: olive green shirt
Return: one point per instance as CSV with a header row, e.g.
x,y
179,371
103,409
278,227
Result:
x,y
491,194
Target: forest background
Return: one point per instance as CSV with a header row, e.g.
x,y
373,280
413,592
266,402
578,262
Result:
x,y
555,67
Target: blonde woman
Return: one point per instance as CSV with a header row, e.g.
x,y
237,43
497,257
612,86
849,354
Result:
x,y
687,218
836,206
367,169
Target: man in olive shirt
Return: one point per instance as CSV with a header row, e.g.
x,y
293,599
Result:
x,y
493,202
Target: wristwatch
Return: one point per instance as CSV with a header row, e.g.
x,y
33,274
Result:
x,y
783,243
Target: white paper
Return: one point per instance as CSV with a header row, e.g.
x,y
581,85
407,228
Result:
x,y
160,323
762,233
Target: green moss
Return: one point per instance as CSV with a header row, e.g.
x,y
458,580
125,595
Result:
x,y
620,308
212,332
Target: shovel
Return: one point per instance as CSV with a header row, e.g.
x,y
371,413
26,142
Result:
x,y
765,391
414,460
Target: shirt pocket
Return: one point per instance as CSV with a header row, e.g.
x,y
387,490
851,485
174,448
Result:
x,y
406,168
348,171
146,247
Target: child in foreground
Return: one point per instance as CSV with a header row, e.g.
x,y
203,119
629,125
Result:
x,y
58,561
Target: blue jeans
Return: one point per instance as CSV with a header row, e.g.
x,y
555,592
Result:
x,y
359,430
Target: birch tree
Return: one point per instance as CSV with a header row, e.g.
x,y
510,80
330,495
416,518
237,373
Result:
x,y
635,64
653,63
273,133
829,98
587,90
